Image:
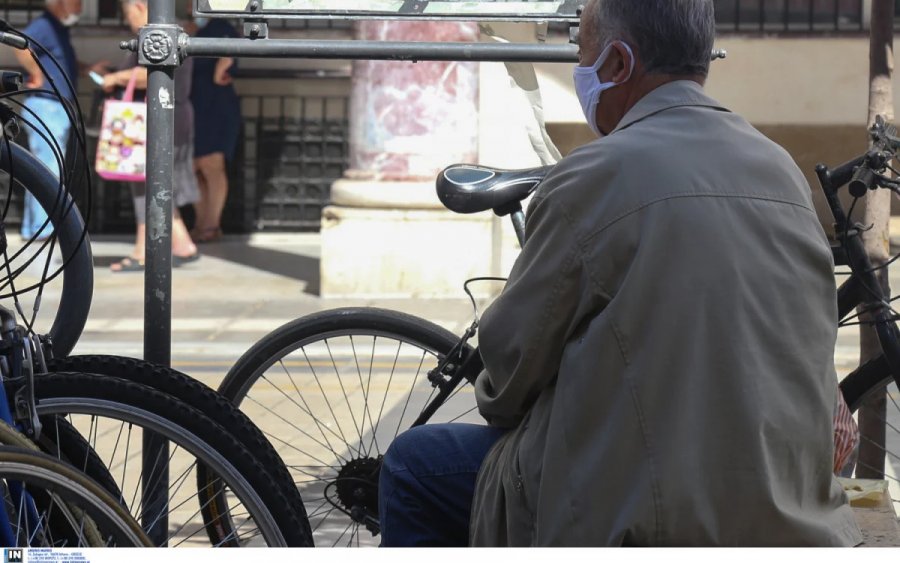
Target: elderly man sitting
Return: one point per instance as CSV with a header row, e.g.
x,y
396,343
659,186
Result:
x,y
659,366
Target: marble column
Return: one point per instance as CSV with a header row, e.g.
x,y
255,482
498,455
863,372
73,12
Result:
x,y
386,233
409,120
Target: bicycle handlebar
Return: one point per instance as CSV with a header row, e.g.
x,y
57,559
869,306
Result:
x,y
863,173
863,180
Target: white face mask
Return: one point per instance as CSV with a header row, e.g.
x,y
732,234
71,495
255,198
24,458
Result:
x,y
201,22
70,20
588,86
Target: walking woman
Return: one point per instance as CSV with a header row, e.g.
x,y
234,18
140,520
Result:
x,y
184,185
217,123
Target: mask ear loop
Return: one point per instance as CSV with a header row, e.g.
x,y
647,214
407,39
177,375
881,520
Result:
x,y
630,58
604,54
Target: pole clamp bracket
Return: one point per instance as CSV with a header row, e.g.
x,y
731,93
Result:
x,y
159,45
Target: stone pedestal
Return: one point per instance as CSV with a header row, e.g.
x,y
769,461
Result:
x,y
385,233
399,241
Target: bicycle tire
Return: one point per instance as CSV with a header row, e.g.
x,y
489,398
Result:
x,y
78,277
865,381
187,389
94,396
50,477
356,463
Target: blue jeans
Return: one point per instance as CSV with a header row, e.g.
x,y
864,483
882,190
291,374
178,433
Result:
x,y
427,483
51,112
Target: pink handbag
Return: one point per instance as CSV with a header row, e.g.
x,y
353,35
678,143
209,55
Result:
x,y
122,147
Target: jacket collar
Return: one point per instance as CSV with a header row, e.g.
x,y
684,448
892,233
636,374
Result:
x,y
669,95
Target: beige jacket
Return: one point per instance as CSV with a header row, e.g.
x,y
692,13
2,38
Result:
x,y
664,347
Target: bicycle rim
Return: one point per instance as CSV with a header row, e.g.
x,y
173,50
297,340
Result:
x,y
62,507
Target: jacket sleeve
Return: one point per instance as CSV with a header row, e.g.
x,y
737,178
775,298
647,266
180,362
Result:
x,y
524,332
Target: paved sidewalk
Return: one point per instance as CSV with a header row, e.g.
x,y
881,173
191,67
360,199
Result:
x,y
244,287
241,289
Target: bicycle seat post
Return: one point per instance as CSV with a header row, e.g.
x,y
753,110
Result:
x,y
518,220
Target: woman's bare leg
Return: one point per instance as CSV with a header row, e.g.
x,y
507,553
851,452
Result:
x,y
213,197
201,207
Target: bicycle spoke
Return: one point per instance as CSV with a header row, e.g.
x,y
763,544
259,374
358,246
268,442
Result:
x,y
325,396
219,493
324,518
22,517
365,391
337,541
344,392
307,410
180,480
473,409
315,512
293,446
409,396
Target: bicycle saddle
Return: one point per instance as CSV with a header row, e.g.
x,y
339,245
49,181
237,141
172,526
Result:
x,y
469,188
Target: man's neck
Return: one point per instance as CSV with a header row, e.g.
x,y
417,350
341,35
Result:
x,y
650,82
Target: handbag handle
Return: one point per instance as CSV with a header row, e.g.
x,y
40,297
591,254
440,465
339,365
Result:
x,y
129,90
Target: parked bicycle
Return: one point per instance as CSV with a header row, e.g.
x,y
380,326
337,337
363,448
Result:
x,y
208,475
338,386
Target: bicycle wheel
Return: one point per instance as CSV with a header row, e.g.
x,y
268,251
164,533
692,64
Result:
x,y
59,506
114,416
331,391
219,409
78,278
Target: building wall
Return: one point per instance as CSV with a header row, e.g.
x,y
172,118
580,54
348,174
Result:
x,y
809,93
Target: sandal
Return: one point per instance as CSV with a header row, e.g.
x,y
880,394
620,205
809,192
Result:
x,y
127,264
179,261
211,234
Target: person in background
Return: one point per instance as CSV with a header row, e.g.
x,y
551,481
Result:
x,y
184,187
217,123
51,31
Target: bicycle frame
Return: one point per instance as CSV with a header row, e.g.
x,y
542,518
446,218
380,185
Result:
x,y
862,288
472,363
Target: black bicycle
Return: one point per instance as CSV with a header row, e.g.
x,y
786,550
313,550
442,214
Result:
x,y
339,385
216,481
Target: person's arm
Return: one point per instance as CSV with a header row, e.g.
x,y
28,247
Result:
x,y
524,332
221,76
120,78
35,76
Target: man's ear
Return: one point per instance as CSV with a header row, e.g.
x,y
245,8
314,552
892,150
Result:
x,y
621,61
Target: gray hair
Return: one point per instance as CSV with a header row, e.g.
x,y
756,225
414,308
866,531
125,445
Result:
x,y
669,36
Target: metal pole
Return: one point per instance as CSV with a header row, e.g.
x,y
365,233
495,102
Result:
x,y
158,241
378,50
383,50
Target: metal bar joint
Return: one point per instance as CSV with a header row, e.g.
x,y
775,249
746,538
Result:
x,y
159,45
